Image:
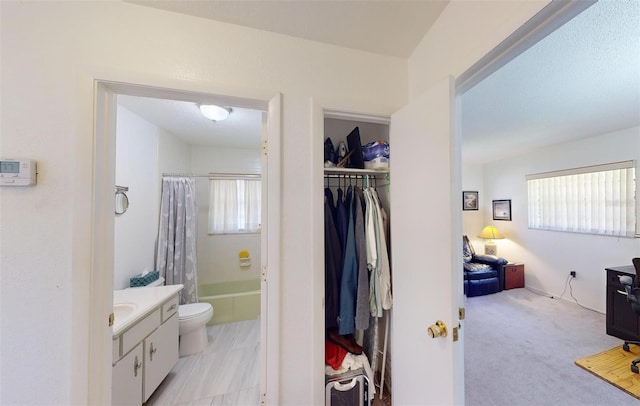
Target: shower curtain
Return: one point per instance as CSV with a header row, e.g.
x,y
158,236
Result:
x,y
177,232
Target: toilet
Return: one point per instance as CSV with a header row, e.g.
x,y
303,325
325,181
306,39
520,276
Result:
x,y
192,324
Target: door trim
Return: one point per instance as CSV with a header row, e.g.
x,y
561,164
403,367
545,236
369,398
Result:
x,y
101,285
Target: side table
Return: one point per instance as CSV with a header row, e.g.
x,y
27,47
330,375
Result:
x,y
514,276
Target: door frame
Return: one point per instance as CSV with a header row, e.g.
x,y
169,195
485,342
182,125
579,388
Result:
x,y
101,285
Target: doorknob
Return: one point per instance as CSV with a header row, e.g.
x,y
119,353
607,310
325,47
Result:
x,y
437,330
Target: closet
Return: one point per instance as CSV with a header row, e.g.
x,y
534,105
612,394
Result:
x,y
424,207
370,298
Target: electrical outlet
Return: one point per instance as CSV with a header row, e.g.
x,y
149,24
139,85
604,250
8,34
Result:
x,y
572,273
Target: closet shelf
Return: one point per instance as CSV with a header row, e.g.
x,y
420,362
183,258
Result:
x,y
353,171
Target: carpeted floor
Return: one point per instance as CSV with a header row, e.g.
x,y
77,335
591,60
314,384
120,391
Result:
x,y
521,348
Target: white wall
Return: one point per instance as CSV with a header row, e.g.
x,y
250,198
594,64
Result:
x,y
218,254
473,220
143,153
53,51
174,156
135,230
225,160
550,255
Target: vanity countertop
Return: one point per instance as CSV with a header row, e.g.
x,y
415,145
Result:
x,y
137,303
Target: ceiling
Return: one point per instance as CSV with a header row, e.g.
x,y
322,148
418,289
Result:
x,y
242,129
391,28
388,27
580,81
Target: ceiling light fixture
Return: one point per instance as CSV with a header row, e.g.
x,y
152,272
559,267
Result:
x,y
213,112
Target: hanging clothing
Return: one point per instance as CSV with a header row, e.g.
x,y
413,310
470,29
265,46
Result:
x,y
373,260
349,277
370,241
333,268
384,273
342,219
362,295
377,255
357,269
328,194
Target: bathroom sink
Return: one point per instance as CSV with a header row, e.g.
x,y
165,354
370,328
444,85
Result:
x,y
132,305
122,310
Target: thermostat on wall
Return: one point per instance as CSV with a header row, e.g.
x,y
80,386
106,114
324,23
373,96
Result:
x,y
17,172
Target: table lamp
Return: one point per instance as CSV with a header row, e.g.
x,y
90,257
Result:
x,y
490,233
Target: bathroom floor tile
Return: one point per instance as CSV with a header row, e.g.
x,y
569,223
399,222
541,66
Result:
x,y
226,372
170,387
228,336
245,397
198,402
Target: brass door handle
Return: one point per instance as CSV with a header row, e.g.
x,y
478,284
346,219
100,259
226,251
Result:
x,y
439,329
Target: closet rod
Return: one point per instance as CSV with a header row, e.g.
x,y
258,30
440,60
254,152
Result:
x,y
345,176
213,175
353,171
183,175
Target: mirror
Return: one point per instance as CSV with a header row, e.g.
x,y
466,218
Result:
x,y
122,201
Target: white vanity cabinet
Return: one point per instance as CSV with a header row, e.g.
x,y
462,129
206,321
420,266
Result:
x,y
160,354
127,379
144,353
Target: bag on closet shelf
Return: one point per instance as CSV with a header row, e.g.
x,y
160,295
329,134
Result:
x,y
376,155
329,153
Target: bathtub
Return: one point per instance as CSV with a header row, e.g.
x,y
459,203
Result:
x,y
232,301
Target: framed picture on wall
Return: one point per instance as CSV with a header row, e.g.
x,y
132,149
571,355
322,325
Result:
x,y
502,210
469,200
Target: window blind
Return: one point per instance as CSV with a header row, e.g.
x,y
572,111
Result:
x,y
597,199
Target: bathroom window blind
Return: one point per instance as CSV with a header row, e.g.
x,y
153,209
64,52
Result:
x,y
596,199
234,206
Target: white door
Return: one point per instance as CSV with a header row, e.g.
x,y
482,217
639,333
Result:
x,y
424,370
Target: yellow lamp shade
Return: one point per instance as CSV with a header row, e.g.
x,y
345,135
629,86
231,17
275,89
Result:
x,y
491,233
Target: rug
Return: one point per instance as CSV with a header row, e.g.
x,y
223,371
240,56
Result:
x,y
614,367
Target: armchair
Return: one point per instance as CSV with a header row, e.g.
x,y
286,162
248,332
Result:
x,y
632,290
483,274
